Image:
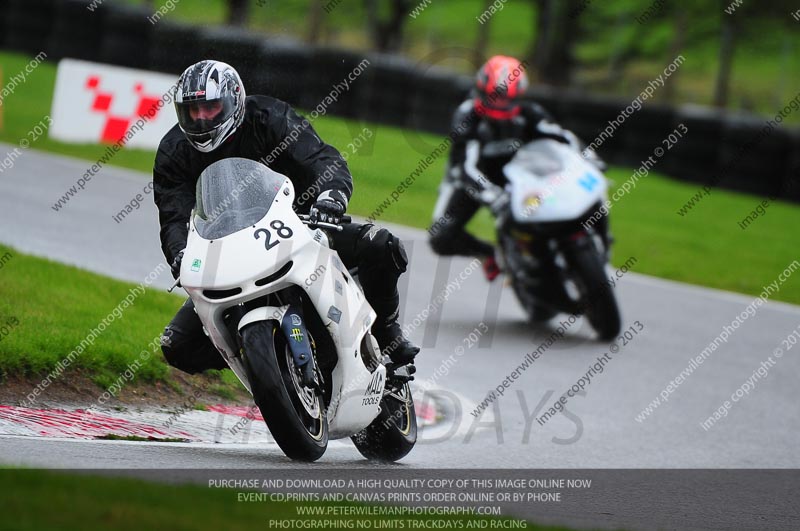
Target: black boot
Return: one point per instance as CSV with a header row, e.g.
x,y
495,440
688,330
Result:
x,y
393,344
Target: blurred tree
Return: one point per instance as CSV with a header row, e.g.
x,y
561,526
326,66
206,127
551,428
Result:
x,y
556,34
733,28
386,29
482,41
727,48
627,46
238,11
314,21
676,46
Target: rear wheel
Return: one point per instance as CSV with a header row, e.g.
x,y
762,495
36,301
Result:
x,y
295,415
597,298
393,433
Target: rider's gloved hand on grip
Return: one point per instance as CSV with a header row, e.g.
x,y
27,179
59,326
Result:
x,y
176,265
329,207
495,198
489,194
499,205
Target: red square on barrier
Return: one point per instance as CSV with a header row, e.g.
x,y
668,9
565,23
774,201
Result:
x,y
102,102
115,130
148,105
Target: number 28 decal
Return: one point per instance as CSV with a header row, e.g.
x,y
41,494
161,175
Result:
x,y
282,230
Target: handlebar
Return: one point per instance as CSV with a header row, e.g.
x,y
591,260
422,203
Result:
x,y
305,218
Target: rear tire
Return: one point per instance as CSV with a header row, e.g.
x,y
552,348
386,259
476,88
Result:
x,y
393,433
294,415
598,301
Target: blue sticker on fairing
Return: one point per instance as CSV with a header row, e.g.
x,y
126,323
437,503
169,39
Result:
x,y
589,181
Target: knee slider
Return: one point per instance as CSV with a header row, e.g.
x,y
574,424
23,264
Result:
x,y
179,352
398,254
385,248
168,348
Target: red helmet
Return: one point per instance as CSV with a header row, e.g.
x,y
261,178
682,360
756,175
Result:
x,y
500,82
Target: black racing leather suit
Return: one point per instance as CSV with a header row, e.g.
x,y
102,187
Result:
x,y
275,135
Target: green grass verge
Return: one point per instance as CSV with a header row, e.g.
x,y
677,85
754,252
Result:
x,y
706,247
56,307
47,309
34,500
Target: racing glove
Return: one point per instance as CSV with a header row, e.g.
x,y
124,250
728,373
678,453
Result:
x,y
329,207
499,205
495,198
176,265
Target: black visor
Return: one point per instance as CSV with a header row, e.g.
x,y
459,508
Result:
x,y
202,116
498,100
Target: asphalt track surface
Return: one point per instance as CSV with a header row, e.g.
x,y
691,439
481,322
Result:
x,y
598,429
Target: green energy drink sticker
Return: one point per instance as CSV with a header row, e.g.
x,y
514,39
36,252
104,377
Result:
x,y
297,334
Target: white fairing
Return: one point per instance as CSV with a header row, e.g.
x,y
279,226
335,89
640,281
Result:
x,y
241,259
549,181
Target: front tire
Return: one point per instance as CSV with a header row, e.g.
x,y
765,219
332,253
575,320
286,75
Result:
x,y
393,433
537,312
294,415
597,297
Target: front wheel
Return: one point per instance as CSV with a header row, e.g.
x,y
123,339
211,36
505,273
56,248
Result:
x,y
597,299
537,312
295,415
393,433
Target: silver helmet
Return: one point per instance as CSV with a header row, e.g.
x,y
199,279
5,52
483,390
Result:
x,y
209,101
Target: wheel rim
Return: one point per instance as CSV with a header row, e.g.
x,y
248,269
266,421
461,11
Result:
x,y
403,398
308,399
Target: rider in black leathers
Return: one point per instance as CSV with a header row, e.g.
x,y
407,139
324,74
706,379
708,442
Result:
x,y
488,129
217,120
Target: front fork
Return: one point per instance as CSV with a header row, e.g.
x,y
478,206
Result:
x,y
294,329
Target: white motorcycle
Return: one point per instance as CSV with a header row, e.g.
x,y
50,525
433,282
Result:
x,y
550,247
289,319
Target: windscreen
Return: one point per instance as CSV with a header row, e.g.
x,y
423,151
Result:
x,y
540,158
233,194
